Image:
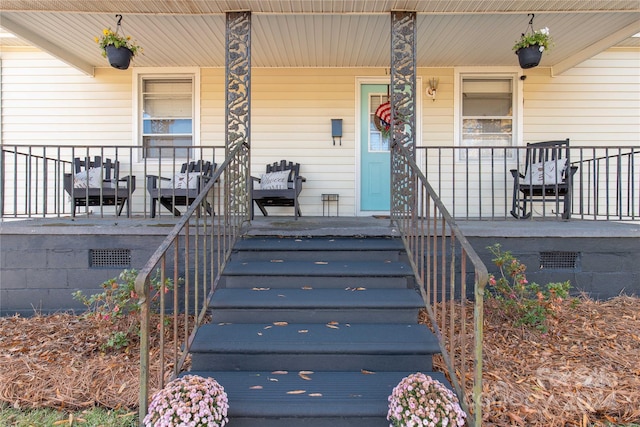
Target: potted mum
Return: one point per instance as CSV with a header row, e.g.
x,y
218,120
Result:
x,y
530,47
190,400
420,400
117,49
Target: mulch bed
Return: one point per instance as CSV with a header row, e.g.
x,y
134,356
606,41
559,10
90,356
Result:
x,y
584,372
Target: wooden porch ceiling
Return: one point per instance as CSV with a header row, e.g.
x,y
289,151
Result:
x,y
322,33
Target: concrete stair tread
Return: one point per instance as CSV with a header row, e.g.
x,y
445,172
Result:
x,y
279,267
272,244
285,298
325,394
300,338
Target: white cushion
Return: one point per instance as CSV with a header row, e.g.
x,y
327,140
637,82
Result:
x,y
549,172
275,180
186,181
91,178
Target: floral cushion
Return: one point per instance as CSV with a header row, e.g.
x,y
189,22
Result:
x,y
549,172
90,178
184,181
275,180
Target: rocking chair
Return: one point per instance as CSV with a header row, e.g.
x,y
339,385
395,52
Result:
x,y
547,178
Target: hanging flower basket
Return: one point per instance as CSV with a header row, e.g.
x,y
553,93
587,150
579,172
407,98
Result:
x,y
529,56
119,57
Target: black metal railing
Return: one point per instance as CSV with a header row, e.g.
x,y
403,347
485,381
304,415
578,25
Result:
x,y
450,275
192,257
476,183
32,178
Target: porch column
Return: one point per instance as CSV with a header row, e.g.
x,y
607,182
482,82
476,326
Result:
x,y
403,111
238,79
237,110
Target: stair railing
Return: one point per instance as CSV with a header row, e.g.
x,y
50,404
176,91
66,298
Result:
x,y
182,274
445,266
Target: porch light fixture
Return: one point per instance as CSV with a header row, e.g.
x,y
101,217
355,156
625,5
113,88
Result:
x,y
433,87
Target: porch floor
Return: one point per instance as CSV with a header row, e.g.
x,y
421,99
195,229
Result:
x,y
317,226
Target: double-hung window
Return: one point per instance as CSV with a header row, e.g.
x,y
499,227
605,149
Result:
x,y
487,118
167,115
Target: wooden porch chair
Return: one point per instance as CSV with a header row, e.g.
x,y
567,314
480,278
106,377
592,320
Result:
x,y
98,183
279,186
547,177
182,189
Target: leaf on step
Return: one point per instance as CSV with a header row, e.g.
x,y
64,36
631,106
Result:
x,y
321,262
268,327
280,323
333,322
224,324
282,296
277,260
307,288
303,331
260,289
297,392
255,387
260,333
365,372
305,377
332,326
280,372
305,372
274,380
315,394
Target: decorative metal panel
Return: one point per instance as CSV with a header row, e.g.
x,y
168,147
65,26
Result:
x,y
238,79
403,111
238,107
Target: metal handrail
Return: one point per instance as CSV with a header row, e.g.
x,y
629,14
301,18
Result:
x,y
205,249
439,252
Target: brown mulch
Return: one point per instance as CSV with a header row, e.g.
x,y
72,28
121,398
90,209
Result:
x,y
584,372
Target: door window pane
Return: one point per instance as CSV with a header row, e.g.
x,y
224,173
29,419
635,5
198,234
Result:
x,y
379,131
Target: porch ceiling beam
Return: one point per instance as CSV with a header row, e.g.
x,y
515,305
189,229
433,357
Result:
x,y
596,48
45,45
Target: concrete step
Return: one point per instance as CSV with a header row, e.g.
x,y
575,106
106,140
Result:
x,y
321,399
319,249
348,305
327,347
279,273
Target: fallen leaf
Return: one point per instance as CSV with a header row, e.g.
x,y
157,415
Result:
x,y
315,394
268,327
260,289
365,372
305,377
306,372
280,372
280,323
321,262
277,260
303,331
256,387
333,322
307,288
333,327
297,392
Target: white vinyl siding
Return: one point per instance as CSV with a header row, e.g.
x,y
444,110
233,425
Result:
x,y
45,102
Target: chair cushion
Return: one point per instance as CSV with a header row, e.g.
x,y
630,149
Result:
x,y
91,178
275,180
184,181
550,171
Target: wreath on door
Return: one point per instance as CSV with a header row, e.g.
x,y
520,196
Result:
x,y
382,118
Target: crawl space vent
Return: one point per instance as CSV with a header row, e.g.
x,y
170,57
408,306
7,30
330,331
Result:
x,y
116,258
559,260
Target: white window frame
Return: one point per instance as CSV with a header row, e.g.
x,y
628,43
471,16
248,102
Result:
x,y
513,73
140,74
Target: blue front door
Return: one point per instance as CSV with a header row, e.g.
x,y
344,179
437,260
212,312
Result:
x,y
375,168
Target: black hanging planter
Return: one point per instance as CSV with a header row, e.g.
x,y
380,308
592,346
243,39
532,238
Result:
x,y
119,57
529,56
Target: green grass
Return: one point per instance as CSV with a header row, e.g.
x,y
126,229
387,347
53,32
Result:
x,y
95,417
